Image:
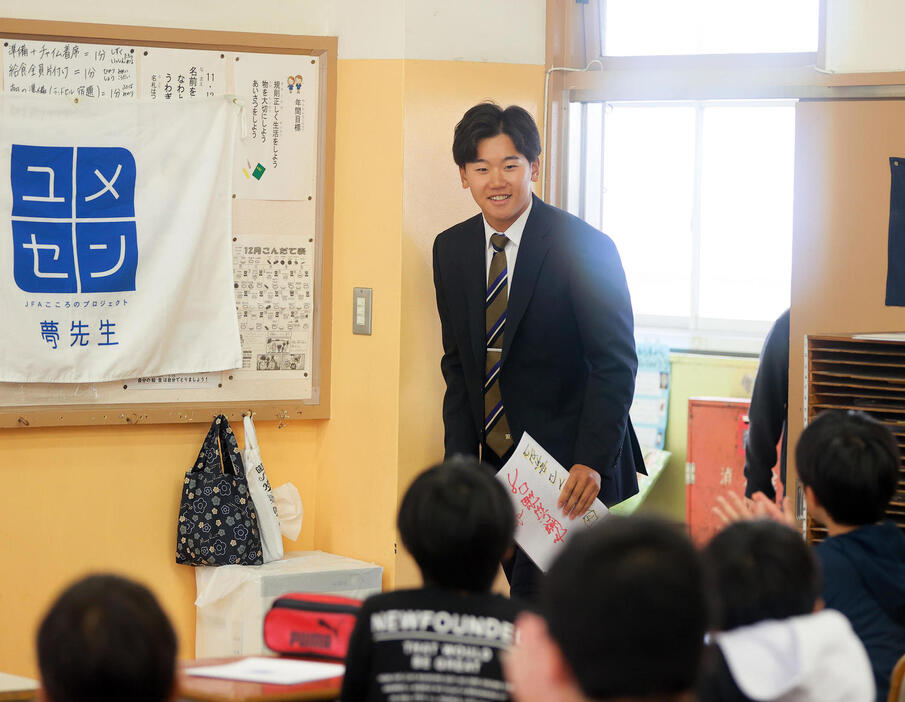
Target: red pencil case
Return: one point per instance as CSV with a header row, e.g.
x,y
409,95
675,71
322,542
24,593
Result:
x,y
317,626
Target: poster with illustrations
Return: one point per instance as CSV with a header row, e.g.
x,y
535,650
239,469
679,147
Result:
x,y
274,283
277,159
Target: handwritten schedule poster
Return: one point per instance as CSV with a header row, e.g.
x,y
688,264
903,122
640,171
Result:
x,y
534,480
69,69
182,75
277,158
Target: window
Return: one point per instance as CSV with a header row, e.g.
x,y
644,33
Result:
x,y
661,27
698,198
684,156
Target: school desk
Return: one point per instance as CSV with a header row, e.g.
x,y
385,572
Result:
x,y
192,688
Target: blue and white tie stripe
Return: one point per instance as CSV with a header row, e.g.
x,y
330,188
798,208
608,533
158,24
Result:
x,y
496,427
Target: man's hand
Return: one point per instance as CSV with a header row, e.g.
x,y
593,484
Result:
x,y
579,491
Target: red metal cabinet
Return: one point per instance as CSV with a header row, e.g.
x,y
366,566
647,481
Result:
x,y
715,459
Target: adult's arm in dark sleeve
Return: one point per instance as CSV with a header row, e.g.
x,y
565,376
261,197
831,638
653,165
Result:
x,y
769,410
459,433
358,661
603,312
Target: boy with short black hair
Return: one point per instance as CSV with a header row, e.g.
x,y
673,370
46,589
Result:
x,y
760,570
773,646
106,639
848,464
624,617
442,641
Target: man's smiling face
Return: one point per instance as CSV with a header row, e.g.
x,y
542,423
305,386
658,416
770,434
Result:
x,y
500,180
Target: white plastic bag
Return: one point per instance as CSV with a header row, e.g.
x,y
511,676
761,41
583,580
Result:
x,y
261,494
289,507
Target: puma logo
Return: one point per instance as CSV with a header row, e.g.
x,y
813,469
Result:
x,y
328,627
307,639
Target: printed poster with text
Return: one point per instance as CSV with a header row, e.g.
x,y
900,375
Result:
x,y
115,255
534,480
650,404
173,75
277,158
274,286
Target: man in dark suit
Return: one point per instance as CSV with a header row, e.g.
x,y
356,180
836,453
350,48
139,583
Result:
x,y
537,326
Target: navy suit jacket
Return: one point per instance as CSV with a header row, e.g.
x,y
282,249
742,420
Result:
x,y
568,362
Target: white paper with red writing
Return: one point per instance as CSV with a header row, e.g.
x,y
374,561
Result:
x,y
534,480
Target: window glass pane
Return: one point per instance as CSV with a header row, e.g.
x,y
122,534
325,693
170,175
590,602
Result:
x,y
664,27
593,175
576,138
746,210
648,177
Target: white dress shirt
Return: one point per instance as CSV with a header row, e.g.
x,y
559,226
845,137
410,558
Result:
x,y
514,233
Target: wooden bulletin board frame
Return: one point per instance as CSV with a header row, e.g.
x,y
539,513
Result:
x,y
42,405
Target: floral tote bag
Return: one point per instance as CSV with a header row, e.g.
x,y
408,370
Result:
x,y
218,524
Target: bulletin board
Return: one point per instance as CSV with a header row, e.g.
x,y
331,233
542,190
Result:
x,y
281,226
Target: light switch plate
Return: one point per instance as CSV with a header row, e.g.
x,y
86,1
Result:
x,y
361,311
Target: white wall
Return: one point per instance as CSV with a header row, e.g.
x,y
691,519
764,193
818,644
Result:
x,y
507,31
865,36
502,31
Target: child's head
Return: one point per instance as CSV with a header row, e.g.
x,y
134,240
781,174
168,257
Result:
x,y
851,463
107,639
625,615
457,521
760,570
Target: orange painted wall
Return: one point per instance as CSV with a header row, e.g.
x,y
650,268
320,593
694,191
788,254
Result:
x,y
358,453
84,499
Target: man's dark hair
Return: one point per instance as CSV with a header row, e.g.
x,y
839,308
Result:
x,y
106,639
760,570
851,462
625,603
457,521
488,120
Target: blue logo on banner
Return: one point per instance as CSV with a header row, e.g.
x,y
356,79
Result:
x,y
73,219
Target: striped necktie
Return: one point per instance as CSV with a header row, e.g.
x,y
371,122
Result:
x,y
496,427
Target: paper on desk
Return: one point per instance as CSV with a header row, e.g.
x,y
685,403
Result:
x,y
276,671
534,480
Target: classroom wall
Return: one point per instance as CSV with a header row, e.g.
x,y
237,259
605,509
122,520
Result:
x,y
863,36
106,498
841,224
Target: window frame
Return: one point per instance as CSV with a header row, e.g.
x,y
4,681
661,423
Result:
x,y
576,31
595,43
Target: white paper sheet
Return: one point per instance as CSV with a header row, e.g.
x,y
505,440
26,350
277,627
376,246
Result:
x,y
277,159
176,381
274,287
276,671
883,336
69,69
534,480
181,74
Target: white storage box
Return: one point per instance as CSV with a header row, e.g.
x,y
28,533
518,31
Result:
x,y
232,600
